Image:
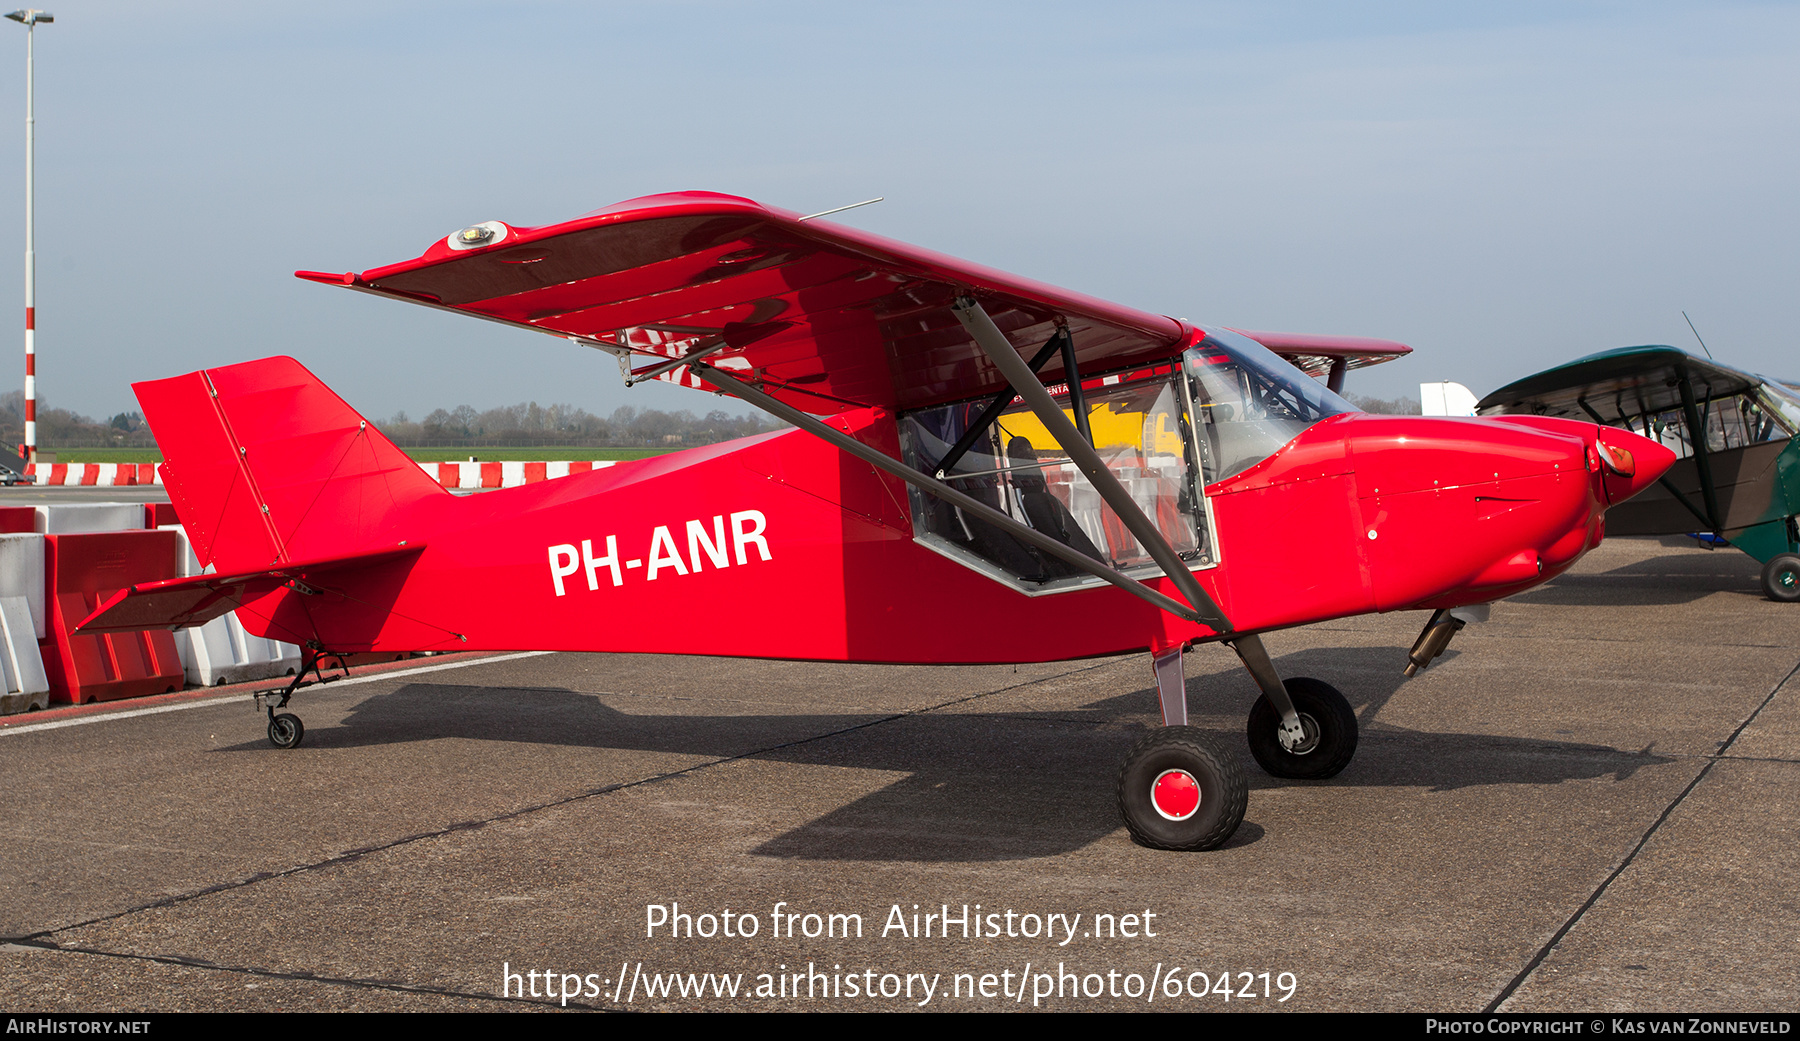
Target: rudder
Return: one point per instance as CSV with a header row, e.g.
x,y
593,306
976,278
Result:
x,y
267,465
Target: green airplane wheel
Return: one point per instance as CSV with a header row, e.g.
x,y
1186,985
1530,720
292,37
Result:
x,y
1781,578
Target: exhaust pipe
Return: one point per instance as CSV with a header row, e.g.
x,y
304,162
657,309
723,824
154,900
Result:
x,y
1444,623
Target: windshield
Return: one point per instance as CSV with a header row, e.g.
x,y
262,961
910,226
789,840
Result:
x,y
1249,403
1783,401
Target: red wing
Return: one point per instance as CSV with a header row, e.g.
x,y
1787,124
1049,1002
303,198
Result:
x,y
1314,355
827,317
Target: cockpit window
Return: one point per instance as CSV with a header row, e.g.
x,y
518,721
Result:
x,y
1165,432
1783,402
1767,413
1140,429
1248,403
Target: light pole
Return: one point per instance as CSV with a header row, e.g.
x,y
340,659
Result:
x,y
30,19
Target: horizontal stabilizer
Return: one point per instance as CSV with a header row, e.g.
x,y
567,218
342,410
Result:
x,y
177,603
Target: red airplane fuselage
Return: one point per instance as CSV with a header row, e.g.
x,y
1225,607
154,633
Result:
x,y
783,546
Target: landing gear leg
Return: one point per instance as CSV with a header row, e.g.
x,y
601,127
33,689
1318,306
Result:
x,y
1177,788
285,728
1303,728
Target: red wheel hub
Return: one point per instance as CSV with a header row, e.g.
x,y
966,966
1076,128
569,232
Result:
x,y
1175,794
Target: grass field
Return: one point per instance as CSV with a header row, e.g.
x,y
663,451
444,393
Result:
x,y
423,455
102,455
489,455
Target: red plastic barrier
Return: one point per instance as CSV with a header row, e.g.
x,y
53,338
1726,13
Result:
x,y
490,475
449,474
536,472
581,466
117,474
15,519
80,571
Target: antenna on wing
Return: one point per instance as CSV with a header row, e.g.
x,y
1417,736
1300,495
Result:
x,y
1703,346
840,209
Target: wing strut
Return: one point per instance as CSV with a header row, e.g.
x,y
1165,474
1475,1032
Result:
x,y
712,346
1334,381
1696,425
1072,373
994,343
1215,620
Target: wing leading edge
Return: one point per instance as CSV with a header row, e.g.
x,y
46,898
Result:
x,y
1329,356
821,316
825,317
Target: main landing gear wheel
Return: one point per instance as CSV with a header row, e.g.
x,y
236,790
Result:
x,y
1328,729
1781,578
1179,790
285,730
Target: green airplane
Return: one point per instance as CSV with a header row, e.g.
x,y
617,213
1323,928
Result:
x,y
1737,470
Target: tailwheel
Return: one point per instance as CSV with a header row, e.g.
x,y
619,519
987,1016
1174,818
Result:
x,y
1179,790
1781,578
1327,739
285,730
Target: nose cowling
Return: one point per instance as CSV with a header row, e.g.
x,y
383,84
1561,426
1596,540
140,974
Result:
x,y
1462,511
1627,462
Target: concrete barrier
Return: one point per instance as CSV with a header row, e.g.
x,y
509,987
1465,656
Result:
x,y
23,683
508,474
73,518
22,575
222,651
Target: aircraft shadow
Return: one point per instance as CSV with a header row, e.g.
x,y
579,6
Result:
x,y
976,787
1673,578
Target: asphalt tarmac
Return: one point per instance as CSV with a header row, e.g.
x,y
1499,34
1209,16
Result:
x,y
41,494
1589,804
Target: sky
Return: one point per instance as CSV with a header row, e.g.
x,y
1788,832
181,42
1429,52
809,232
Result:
x,y
1501,186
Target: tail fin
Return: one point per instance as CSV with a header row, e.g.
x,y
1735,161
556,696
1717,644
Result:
x,y
267,466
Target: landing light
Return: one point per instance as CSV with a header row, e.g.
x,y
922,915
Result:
x,y
484,234
1618,460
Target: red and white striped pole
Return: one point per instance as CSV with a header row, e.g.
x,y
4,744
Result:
x,y
28,451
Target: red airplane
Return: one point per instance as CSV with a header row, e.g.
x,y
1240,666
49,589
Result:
x,y
985,470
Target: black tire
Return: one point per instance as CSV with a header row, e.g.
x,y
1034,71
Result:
x,y
1175,751
1327,719
1781,578
286,730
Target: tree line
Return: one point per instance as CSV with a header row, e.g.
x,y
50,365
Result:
x,y
529,423
526,423
61,427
